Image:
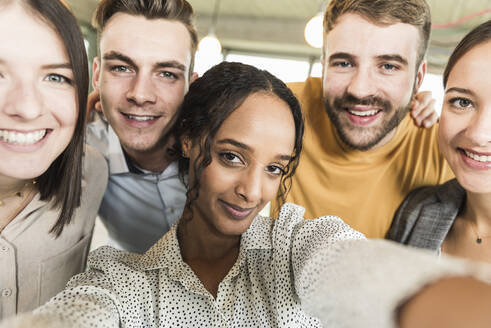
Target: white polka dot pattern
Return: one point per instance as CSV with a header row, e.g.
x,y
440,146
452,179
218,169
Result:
x,y
157,289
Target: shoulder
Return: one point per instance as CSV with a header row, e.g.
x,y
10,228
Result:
x,y
308,92
95,168
98,135
431,194
292,225
431,198
112,261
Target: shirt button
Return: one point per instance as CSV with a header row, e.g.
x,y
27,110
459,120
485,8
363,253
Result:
x,y
6,292
4,248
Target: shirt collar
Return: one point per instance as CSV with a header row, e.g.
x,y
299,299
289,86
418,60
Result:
x,y
166,252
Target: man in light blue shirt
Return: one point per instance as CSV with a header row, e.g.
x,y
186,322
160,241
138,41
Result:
x,y
142,72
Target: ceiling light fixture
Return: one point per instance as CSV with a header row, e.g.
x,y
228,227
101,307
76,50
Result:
x,y
210,45
314,31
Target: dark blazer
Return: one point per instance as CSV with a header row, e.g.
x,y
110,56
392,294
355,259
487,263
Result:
x,y
426,215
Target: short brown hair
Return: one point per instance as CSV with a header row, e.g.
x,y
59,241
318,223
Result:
x,y
177,10
477,36
385,12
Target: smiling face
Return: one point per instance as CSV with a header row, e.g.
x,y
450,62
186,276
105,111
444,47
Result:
x,y
142,76
250,151
465,123
369,78
38,108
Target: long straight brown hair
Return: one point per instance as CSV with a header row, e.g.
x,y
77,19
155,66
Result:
x,y
61,184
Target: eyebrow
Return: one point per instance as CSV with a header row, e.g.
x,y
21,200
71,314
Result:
x,y
245,147
56,66
171,64
345,55
397,58
340,55
460,90
114,55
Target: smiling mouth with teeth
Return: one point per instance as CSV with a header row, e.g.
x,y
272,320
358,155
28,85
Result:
x,y
364,113
479,158
140,118
22,138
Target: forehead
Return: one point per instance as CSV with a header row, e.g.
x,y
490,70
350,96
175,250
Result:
x,y
25,38
358,36
146,40
259,119
472,70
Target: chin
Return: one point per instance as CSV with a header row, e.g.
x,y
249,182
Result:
x,y
476,184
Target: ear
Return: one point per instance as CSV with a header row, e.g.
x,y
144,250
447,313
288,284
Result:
x,y
420,74
193,77
96,73
186,147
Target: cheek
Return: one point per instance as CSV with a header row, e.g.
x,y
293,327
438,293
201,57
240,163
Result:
x,y
270,189
399,91
334,85
448,128
63,107
172,95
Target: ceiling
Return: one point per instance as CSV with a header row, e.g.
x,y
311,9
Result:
x,y
276,26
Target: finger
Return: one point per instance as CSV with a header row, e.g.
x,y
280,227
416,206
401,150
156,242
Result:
x,y
420,101
431,120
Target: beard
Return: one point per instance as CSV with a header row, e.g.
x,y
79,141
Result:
x,y
364,138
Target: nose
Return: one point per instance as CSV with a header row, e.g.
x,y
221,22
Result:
x,y
141,91
362,83
24,101
249,187
479,129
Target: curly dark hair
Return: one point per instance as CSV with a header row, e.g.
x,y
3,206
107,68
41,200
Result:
x,y
208,103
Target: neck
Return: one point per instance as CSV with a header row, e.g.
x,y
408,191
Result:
x,y
199,240
10,185
478,209
155,160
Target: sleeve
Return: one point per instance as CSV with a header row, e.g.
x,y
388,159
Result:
x,y
362,283
88,301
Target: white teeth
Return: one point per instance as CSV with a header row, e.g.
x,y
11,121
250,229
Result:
x,y
483,158
141,118
19,138
363,113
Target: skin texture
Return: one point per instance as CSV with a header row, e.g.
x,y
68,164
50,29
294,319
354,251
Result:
x,y
143,71
36,94
464,133
363,72
248,157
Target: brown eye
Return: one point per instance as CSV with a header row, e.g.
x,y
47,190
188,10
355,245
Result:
x,y
460,102
230,158
275,170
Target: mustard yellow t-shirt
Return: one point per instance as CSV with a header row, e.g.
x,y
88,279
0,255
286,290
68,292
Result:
x,y
364,188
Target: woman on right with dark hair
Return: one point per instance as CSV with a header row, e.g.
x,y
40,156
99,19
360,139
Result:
x,y
455,218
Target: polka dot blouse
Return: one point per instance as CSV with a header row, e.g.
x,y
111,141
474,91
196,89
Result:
x,y
158,289
285,267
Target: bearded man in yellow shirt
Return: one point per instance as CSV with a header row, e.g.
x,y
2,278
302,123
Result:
x,y
362,153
